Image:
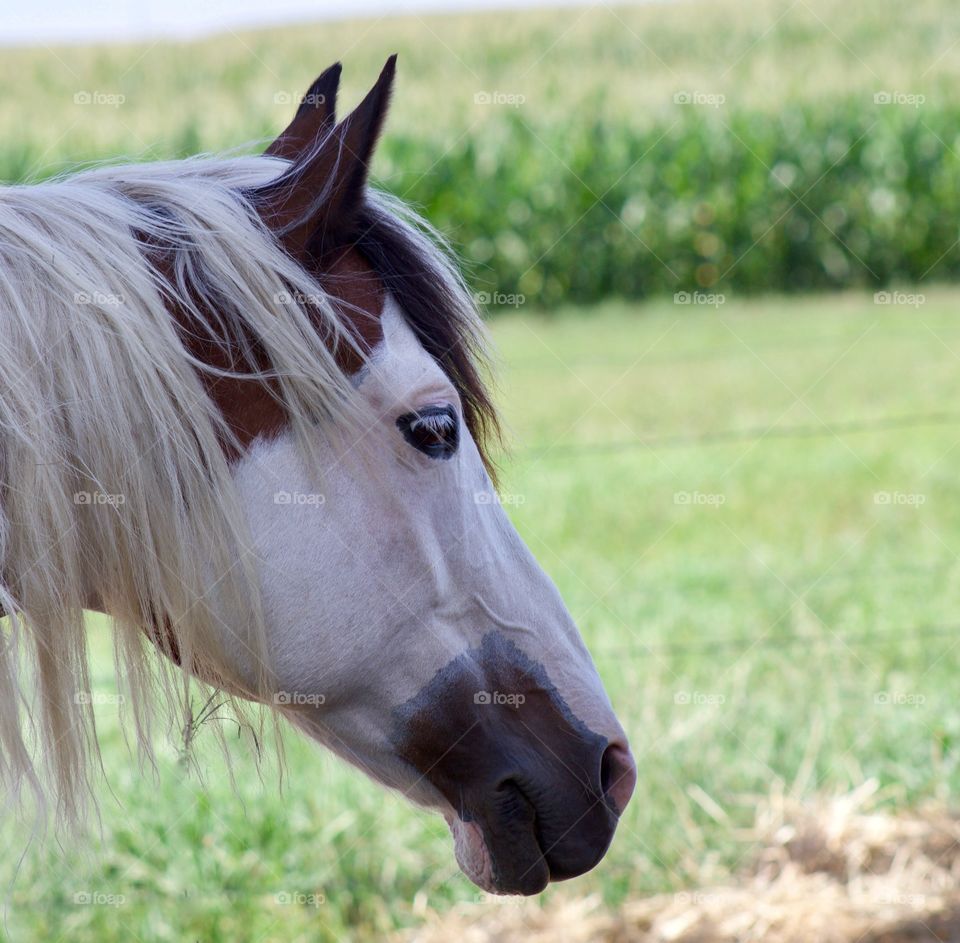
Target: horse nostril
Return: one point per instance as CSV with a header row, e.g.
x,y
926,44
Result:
x,y
618,774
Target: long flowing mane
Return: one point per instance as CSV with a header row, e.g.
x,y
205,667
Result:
x,y
113,455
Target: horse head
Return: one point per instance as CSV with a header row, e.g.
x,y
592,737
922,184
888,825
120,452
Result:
x,y
439,656
272,375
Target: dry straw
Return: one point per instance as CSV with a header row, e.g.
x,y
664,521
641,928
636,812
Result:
x,y
834,870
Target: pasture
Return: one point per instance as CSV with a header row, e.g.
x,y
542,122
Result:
x,y
751,510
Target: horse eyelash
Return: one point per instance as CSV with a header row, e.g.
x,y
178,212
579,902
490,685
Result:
x,y
437,423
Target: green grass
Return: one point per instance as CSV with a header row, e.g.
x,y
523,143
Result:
x,y
744,643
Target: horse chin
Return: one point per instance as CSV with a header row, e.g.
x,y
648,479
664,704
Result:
x,y
472,854
474,857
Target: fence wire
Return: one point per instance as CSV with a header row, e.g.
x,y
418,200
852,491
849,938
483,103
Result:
x,y
750,433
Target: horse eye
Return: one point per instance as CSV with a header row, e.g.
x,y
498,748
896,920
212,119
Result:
x,y
433,430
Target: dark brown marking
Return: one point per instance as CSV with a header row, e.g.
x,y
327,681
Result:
x,y
358,296
493,735
252,407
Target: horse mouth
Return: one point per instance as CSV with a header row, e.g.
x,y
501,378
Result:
x,y
503,850
500,849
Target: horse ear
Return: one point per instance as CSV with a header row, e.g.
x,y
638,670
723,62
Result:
x,y
315,116
318,195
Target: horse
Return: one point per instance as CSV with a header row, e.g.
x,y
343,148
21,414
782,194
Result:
x,y
246,413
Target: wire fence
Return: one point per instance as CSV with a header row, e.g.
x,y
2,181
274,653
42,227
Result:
x,y
755,434
748,434
737,354
735,644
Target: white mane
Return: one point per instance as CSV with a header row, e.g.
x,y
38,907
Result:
x,y
112,471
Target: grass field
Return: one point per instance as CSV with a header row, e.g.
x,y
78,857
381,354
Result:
x,y
768,608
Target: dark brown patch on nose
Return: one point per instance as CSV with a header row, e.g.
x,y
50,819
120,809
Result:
x,y
493,735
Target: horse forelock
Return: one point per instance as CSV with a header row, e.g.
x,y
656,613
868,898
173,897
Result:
x,y
251,402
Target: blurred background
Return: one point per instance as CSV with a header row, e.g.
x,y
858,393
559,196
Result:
x,y
717,243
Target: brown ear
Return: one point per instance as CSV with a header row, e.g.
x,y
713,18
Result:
x,y
315,116
315,200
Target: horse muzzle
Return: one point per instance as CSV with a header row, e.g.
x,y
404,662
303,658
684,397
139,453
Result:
x,y
537,826
532,794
